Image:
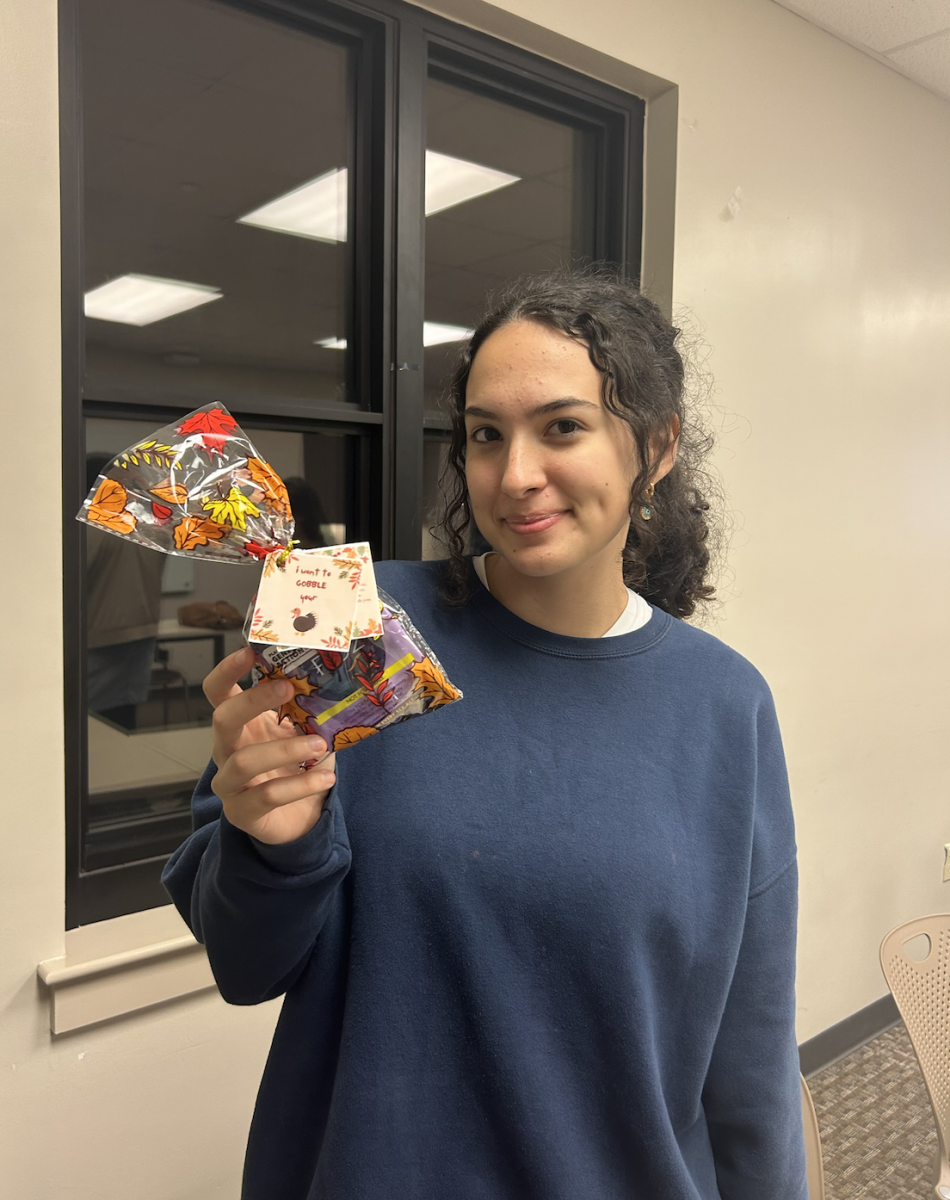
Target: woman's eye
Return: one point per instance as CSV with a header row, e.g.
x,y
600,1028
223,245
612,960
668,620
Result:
x,y
565,427
485,434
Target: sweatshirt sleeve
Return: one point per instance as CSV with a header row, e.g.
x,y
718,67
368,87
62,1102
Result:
x,y
752,1096
257,908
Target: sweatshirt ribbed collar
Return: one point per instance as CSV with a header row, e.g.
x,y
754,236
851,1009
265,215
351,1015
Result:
x,y
559,644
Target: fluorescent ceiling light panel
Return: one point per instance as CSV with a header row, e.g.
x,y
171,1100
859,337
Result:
x,y
314,210
433,334
451,181
142,299
317,209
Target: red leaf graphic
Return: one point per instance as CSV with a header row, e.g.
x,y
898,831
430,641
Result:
x,y
256,550
161,512
216,427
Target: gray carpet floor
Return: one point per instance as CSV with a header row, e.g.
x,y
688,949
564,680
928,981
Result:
x,y
877,1128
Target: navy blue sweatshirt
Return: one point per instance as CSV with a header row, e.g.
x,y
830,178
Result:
x,y
541,943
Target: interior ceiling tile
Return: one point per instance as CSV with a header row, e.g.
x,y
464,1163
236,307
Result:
x,y
217,39
136,95
231,120
543,256
298,69
877,24
183,178
928,62
458,245
497,135
530,207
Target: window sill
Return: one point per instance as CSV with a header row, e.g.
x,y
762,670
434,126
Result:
x,y
120,966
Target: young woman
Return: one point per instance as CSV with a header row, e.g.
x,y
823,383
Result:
x,y
540,945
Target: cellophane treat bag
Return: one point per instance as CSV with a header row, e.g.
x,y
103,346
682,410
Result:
x,y
348,696
199,489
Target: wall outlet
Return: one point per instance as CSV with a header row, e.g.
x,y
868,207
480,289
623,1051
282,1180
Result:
x,y
946,863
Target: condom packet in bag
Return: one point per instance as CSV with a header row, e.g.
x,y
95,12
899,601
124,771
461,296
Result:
x,y
348,696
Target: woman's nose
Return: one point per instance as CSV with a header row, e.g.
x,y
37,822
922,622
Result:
x,y
524,468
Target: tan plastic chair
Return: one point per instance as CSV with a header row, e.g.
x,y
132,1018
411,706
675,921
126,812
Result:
x,y
815,1170
921,990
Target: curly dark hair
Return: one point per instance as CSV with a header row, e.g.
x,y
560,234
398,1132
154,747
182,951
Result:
x,y
666,558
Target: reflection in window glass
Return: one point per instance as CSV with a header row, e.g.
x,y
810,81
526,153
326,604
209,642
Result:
x,y
507,192
155,626
216,167
434,454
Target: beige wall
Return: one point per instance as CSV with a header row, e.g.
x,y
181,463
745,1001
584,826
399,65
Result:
x,y
826,302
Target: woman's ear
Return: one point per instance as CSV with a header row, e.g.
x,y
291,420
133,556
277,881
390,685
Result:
x,y
668,456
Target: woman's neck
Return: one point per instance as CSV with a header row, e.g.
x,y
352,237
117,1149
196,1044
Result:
x,y
581,603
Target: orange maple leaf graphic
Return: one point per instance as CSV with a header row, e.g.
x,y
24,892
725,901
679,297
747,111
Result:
x,y
349,737
267,480
173,493
290,708
196,531
107,507
433,684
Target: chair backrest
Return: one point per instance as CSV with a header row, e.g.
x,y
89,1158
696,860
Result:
x,y
920,985
815,1170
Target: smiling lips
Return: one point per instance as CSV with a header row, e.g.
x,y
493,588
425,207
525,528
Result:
x,y
534,523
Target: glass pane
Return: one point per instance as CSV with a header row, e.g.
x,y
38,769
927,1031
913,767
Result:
x,y
507,192
217,165
148,721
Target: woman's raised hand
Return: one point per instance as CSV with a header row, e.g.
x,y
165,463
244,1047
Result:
x,y
259,780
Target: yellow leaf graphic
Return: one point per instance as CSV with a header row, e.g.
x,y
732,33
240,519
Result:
x,y
231,511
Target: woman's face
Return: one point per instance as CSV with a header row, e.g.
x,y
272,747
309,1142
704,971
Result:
x,y
549,469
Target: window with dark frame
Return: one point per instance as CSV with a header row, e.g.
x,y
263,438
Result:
x,y
295,210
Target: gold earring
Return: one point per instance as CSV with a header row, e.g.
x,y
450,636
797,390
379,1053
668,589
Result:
x,y
645,511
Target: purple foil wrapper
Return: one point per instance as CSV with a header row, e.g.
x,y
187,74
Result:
x,y
378,682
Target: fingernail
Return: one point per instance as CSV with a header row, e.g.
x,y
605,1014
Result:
x,y
283,690
316,744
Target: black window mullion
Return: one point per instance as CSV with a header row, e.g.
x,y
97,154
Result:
x,y
407,422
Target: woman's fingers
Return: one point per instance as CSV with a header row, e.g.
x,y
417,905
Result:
x,y
223,680
261,799
232,714
243,766
282,806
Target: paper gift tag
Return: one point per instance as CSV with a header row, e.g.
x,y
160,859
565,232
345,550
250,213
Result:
x,y
310,600
367,622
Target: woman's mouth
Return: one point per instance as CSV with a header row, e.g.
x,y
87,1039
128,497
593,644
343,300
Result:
x,y
533,523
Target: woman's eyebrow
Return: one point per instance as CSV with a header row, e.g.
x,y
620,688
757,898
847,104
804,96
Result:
x,y
548,407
